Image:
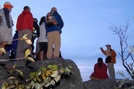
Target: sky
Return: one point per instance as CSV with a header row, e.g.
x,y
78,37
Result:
x,y
86,27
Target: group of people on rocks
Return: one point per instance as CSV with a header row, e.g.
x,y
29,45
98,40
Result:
x,y
49,41
48,33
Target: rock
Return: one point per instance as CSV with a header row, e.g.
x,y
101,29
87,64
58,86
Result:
x,y
99,84
74,82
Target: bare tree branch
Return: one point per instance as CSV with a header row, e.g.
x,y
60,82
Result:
x,y
121,32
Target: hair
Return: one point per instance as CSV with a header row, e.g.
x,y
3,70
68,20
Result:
x,y
100,61
26,8
54,9
42,20
35,19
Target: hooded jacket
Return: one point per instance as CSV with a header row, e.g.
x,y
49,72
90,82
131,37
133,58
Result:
x,y
25,21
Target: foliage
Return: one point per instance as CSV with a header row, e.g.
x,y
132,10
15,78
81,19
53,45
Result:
x,y
46,77
124,83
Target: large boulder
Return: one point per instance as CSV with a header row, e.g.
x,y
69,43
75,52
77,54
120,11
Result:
x,y
74,82
99,84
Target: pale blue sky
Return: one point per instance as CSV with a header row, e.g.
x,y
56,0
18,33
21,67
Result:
x,y
86,26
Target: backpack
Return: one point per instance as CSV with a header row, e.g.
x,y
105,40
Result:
x,y
50,19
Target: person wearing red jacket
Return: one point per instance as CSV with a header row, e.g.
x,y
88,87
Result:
x,y
24,25
100,70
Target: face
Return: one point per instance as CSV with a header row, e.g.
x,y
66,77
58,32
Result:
x,y
29,10
54,9
10,9
108,47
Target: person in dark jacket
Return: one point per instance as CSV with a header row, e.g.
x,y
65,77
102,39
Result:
x,y
54,24
24,26
36,31
14,46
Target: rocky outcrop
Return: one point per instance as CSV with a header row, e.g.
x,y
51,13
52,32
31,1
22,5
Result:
x,y
99,84
73,82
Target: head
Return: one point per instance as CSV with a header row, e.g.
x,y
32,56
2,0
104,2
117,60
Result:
x,y
53,9
35,20
42,20
100,61
8,5
27,8
108,46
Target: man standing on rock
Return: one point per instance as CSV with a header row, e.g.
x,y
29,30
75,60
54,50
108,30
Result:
x,y
110,59
6,24
24,26
54,24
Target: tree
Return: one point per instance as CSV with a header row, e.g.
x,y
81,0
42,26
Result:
x,y
125,55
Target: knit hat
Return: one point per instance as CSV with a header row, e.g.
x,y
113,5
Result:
x,y
8,5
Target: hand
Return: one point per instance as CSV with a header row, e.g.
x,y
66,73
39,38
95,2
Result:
x,y
101,48
0,20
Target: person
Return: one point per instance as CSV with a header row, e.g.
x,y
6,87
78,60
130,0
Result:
x,y
54,24
36,31
14,45
6,24
100,70
42,39
24,26
35,34
110,59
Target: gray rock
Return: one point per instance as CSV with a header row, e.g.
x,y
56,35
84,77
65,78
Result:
x,y
99,84
74,82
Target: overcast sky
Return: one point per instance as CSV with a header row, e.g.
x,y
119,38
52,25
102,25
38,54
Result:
x,y
86,27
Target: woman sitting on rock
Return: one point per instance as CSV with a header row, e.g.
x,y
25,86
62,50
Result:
x,y
100,70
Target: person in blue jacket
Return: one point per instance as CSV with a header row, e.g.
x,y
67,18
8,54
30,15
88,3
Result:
x,y
14,45
54,24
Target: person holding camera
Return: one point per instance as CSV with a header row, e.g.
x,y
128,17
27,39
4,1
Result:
x,y
110,59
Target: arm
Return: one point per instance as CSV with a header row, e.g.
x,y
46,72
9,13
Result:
x,y
18,22
37,29
102,51
30,16
113,53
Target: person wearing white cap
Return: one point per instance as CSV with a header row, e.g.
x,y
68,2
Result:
x,y
110,59
6,24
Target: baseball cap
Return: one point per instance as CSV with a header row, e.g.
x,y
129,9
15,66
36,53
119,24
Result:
x,y
8,5
108,45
